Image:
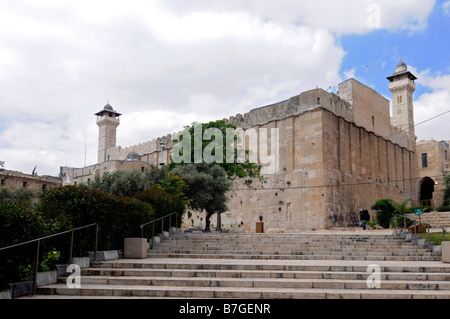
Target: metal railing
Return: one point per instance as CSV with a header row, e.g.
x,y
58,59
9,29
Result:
x,y
415,226
38,240
162,227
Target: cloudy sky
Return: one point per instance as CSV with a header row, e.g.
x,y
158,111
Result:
x,y
164,64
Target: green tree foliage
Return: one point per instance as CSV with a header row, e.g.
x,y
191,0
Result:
x,y
18,223
118,217
446,191
400,209
164,203
218,150
209,192
385,212
206,187
18,196
119,183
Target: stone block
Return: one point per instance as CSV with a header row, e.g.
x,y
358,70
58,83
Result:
x,y
135,248
446,251
46,278
437,250
6,294
104,255
19,289
83,262
157,240
61,270
421,242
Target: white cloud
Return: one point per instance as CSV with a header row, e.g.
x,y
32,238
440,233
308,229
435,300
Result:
x,y
163,64
446,7
431,104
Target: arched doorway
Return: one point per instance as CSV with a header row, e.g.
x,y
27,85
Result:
x,y
426,189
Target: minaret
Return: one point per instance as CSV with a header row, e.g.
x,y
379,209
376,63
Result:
x,y
107,121
402,86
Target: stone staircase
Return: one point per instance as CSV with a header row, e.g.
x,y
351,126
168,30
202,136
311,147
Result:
x,y
229,265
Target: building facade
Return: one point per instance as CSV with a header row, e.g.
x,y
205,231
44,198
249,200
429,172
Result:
x,y
37,184
337,154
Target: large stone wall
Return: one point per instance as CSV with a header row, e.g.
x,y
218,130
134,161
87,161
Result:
x,y
329,169
328,165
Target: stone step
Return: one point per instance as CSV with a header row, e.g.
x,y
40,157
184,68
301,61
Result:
x,y
258,265
298,257
224,245
296,250
342,275
240,292
251,266
295,283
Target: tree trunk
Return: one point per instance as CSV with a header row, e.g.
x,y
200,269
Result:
x,y
219,222
207,221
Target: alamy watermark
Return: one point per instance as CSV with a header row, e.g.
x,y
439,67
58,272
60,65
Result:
x,y
374,279
259,146
373,21
74,279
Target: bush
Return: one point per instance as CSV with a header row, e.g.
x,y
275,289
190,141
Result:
x,y
163,202
385,212
18,223
118,217
443,209
18,196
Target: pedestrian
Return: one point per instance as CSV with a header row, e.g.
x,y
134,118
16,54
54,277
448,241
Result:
x,y
363,224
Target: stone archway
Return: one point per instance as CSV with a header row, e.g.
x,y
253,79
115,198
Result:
x,y
426,189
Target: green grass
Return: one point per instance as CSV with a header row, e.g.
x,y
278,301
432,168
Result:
x,y
435,237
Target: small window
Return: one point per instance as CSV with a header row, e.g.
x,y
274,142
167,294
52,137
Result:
x,y
318,101
108,157
44,187
142,169
2,183
373,121
399,99
424,160
445,154
24,184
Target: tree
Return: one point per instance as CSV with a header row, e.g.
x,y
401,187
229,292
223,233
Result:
x,y
400,209
207,156
447,191
206,187
119,183
385,212
218,146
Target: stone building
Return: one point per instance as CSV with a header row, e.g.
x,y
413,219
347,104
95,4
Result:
x,y
335,154
432,160
37,184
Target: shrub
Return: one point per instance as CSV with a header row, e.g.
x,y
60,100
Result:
x,y
385,212
18,223
19,195
163,202
118,217
443,209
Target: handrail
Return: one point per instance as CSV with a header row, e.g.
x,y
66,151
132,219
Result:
x,y
162,226
415,228
38,240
